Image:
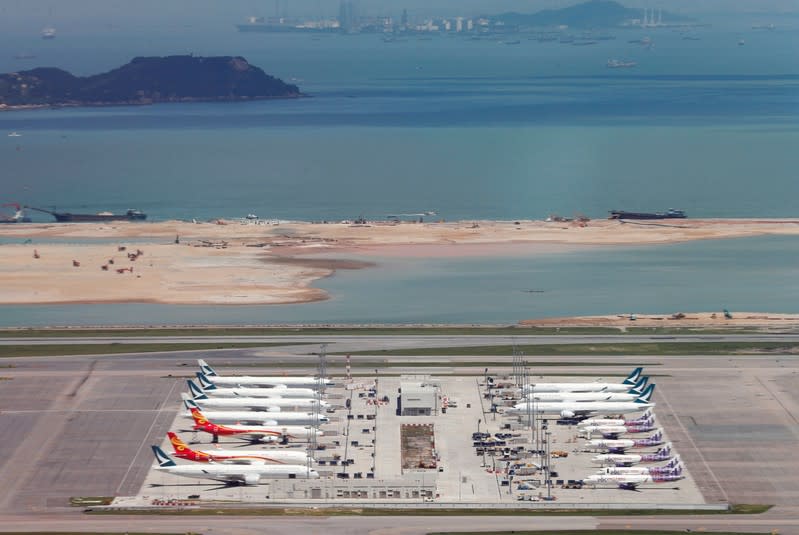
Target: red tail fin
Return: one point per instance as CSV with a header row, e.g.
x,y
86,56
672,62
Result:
x,y
199,419
177,444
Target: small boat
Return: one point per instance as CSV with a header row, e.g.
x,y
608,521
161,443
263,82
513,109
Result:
x,y
741,42
48,33
14,134
251,216
618,64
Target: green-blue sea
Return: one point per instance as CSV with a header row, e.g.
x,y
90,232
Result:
x,y
470,129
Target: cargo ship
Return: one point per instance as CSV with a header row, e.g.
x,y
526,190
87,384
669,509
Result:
x,y
68,217
669,214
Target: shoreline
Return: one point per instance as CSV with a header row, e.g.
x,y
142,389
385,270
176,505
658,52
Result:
x,y
127,103
693,320
228,262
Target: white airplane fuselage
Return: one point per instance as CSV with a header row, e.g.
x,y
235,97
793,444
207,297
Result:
x,y
263,456
617,458
577,387
582,396
264,417
569,409
260,404
618,479
295,432
225,392
249,474
268,382
611,444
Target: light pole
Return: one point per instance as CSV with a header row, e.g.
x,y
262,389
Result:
x,y
549,468
481,441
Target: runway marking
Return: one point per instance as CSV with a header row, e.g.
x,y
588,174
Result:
x,y
777,399
688,435
144,439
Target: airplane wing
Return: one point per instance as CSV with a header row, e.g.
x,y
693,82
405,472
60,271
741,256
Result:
x,y
246,478
261,435
256,421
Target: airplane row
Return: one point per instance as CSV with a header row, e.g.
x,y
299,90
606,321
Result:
x,y
261,418
581,405
233,473
239,381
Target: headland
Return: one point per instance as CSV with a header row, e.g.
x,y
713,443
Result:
x,y
145,80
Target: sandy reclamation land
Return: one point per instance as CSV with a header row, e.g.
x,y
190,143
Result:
x,y
235,263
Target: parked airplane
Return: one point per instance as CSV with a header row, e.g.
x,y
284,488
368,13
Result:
x,y
250,474
630,395
646,416
276,417
613,431
255,432
254,404
628,459
624,386
278,391
619,445
265,381
577,409
632,481
270,456
646,470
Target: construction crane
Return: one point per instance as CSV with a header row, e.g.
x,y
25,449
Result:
x,y
18,217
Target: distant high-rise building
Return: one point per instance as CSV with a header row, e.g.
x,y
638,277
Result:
x,y
347,16
469,25
459,24
404,20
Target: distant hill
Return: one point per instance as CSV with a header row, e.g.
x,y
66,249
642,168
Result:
x,y
591,14
145,80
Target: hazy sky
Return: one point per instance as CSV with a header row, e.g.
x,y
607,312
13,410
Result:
x,y
89,13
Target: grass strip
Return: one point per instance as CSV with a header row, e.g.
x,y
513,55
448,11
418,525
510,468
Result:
x,y
609,349
592,532
208,510
47,350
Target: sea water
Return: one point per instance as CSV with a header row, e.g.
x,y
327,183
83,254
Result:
x,y
468,129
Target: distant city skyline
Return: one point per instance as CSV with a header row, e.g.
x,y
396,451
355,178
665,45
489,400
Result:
x,y
92,12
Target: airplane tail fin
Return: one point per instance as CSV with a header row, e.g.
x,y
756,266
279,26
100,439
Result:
x,y
633,377
205,384
199,419
162,458
188,402
206,369
196,391
646,395
639,386
177,444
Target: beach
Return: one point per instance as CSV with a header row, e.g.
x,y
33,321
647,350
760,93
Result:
x,y
269,262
